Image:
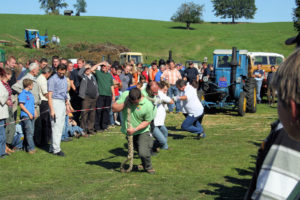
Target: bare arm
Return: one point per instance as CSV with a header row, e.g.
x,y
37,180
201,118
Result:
x,y
141,126
113,93
25,110
116,107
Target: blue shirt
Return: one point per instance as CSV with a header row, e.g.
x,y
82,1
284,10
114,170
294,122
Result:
x,y
26,98
59,87
158,75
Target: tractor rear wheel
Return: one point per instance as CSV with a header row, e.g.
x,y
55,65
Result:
x,y
242,104
200,94
250,89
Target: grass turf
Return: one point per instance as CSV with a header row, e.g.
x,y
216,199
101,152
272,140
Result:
x,y
216,167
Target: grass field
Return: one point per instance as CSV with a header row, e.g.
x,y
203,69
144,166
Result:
x,y
217,167
153,38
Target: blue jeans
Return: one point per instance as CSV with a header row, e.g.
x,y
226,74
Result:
x,y
258,88
173,91
72,129
2,137
65,133
193,124
161,134
28,130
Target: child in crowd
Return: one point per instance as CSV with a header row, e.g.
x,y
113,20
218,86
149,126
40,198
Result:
x,y
72,129
160,132
28,113
277,174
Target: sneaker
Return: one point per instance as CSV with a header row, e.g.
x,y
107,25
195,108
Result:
x,y
117,123
62,154
150,171
67,139
201,135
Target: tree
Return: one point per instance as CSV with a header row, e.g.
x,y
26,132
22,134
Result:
x,y
188,13
80,7
52,6
234,9
297,16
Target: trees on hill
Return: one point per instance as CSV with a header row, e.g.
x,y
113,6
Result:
x,y
80,7
296,17
52,6
188,13
234,9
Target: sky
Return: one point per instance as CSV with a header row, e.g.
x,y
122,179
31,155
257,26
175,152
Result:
x,y
267,10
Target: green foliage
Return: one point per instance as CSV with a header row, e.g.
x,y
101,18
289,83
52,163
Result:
x,y
234,9
52,6
188,13
297,16
80,7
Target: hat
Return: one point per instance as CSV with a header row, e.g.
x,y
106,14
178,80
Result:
x,y
293,40
33,66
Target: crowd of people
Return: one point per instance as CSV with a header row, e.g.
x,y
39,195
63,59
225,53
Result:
x,y
65,100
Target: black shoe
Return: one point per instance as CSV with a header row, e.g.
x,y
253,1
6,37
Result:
x,y
67,139
201,135
62,154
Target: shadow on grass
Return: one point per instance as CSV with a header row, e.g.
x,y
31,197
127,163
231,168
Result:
x,y
237,191
182,28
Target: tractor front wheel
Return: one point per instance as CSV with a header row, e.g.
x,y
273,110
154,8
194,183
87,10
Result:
x,y
242,104
250,88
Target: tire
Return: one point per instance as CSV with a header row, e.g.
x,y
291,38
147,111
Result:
x,y
200,94
250,89
242,104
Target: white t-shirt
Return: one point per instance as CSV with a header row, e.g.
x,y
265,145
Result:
x,y
160,117
192,106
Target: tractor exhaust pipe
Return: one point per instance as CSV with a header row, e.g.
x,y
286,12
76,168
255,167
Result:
x,y
170,56
233,64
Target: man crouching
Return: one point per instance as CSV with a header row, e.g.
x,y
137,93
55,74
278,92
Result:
x,y
139,119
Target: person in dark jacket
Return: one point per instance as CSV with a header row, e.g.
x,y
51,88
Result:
x,y
89,93
270,91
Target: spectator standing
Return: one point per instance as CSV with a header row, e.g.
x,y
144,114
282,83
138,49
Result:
x,y
27,115
153,71
106,95
10,128
43,137
4,95
55,63
75,79
145,72
191,73
258,75
271,91
43,63
171,76
11,64
58,105
117,86
126,78
162,68
89,93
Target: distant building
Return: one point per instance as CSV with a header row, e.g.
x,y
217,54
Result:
x,y
68,12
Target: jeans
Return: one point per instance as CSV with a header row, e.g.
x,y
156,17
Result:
x,y
112,114
72,129
28,130
258,88
2,137
193,124
173,91
59,107
65,133
161,134
18,138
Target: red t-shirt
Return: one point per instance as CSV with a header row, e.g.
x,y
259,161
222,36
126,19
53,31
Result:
x,y
117,78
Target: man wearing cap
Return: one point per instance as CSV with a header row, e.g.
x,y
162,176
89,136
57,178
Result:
x,y
106,95
191,73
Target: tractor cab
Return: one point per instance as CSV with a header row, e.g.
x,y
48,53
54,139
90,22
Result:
x,y
126,57
230,86
31,36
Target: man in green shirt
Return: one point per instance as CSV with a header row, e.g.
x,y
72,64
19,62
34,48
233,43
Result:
x,y
106,95
140,116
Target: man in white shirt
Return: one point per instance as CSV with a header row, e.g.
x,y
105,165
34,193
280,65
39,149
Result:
x,y
192,107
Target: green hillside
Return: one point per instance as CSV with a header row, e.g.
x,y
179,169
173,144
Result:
x,y
153,38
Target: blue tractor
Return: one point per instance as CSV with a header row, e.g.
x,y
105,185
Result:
x,y
231,85
31,36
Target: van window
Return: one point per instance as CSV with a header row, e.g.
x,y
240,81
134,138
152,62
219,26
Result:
x,y
261,59
279,60
272,60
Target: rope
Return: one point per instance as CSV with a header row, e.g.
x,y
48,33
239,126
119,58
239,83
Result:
x,y
130,146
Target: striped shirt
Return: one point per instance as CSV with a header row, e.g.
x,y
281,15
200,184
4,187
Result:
x,y
6,85
171,76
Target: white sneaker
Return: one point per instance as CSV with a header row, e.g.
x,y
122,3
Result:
x,y
117,123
